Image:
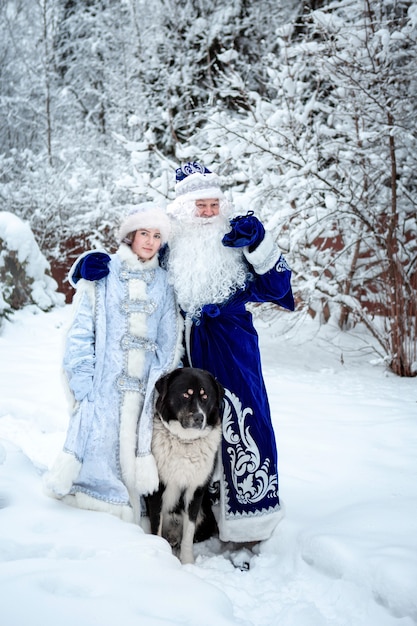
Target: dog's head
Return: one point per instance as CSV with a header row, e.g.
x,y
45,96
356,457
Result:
x,y
189,402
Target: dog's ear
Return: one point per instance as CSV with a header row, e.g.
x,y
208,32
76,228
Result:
x,y
161,386
220,391
163,383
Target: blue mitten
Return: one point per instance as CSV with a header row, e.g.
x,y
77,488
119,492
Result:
x,y
80,384
247,230
92,266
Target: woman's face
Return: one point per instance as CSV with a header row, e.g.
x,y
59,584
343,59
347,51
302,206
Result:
x,y
146,243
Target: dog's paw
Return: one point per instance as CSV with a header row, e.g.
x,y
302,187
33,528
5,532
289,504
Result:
x,y
187,555
241,559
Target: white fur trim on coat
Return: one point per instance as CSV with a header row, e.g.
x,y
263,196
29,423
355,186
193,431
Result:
x,y
84,501
264,257
57,482
147,479
252,528
179,348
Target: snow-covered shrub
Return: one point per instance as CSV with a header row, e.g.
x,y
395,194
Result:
x,y
24,271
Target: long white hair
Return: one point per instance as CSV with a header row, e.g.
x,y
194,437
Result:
x,y
201,269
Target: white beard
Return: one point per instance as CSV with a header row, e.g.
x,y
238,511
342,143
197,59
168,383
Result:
x,y
201,269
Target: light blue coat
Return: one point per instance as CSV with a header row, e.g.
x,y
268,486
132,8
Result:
x,y
124,336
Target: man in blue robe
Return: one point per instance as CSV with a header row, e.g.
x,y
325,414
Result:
x,y
217,266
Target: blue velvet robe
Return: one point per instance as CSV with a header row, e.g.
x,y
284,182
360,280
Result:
x,y
224,341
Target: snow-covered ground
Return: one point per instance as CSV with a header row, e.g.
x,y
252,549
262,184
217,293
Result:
x,y
345,553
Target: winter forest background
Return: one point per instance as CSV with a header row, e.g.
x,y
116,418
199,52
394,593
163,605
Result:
x,y
307,110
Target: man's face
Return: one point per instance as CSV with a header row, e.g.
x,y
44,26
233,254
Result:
x,y
208,207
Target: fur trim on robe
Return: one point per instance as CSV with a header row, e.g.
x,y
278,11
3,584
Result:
x,y
58,481
264,256
147,480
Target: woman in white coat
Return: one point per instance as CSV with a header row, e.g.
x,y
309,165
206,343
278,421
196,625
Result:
x,y
124,335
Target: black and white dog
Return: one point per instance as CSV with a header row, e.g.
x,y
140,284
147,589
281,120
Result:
x,y
186,439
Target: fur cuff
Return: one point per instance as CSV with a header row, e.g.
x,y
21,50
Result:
x,y
147,479
60,478
264,256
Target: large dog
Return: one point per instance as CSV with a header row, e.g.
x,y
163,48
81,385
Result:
x,y
186,439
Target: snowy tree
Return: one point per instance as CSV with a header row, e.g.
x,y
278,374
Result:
x,y
24,271
58,166
22,81
195,55
364,200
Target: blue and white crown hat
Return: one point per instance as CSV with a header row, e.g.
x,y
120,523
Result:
x,y
195,182
146,215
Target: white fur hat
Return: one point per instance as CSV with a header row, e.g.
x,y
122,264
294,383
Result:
x,y
146,215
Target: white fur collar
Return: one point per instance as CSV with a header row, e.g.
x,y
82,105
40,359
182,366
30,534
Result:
x,y
130,258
